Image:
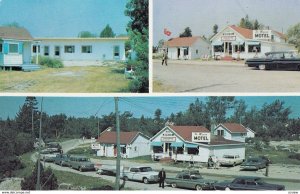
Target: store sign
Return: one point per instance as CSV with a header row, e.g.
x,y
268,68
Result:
x,y
168,136
95,146
228,36
200,137
261,34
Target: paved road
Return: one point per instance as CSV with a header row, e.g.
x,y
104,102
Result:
x,y
215,174
222,76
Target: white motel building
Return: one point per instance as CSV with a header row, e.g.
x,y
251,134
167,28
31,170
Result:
x,y
234,42
81,49
192,143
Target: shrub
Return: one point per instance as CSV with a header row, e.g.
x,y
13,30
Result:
x,y
295,156
9,164
49,62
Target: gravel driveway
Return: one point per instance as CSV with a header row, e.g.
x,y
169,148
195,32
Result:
x,y
222,76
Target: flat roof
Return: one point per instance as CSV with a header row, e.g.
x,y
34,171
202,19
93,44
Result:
x,y
80,39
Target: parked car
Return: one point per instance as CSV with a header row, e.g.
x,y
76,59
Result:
x,y
266,159
142,173
230,160
286,60
54,146
247,183
80,163
48,156
190,180
254,164
62,159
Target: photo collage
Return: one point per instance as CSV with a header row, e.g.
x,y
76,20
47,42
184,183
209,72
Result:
x,y
149,95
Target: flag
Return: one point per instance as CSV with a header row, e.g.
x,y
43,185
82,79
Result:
x,y
167,32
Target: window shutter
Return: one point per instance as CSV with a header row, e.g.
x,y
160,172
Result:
x,y
20,48
5,48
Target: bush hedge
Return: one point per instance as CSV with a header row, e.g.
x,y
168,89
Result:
x,y
49,62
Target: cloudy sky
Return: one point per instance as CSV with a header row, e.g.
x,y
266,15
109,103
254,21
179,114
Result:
x,y
201,15
64,18
90,106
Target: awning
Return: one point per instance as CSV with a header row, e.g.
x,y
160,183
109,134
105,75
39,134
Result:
x,y
253,43
188,145
217,43
177,144
155,143
238,42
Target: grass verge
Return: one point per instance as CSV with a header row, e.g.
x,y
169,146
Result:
x,y
159,87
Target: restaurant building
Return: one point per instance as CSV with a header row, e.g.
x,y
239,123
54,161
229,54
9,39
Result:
x,y
192,143
234,42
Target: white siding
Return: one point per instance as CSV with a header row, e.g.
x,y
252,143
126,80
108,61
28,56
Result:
x,y
140,147
27,52
106,150
203,47
226,135
172,53
219,151
101,49
13,59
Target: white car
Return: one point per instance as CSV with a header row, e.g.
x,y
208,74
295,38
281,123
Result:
x,y
144,174
231,160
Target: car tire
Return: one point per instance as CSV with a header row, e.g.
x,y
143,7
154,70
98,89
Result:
x,y
61,164
80,169
173,185
145,180
227,189
198,187
262,67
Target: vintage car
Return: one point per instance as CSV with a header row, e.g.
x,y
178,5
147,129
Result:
x,y
142,173
62,159
230,160
80,163
286,60
247,183
47,155
254,164
190,180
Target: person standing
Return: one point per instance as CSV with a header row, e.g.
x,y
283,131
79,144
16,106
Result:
x,y
162,177
165,58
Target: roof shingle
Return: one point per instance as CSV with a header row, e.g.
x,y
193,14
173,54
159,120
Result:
x,y
235,127
186,131
15,33
247,33
109,137
182,41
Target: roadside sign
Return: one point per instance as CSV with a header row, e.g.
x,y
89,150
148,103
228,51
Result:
x,y
200,137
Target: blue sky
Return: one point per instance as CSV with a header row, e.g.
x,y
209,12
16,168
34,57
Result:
x,y
89,106
201,15
65,18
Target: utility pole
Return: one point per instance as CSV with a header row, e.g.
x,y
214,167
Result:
x,y
98,127
38,182
32,127
117,187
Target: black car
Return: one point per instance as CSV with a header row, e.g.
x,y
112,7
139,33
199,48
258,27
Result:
x,y
247,183
286,60
254,164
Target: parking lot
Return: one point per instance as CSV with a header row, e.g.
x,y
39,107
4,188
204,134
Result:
x,y
220,76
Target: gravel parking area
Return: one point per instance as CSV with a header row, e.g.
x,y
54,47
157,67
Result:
x,y
221,76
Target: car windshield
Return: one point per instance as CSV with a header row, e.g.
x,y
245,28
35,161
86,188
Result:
x,y
84,159
196,177
253,160
146,169
228,156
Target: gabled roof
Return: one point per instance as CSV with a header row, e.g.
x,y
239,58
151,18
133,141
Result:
x,y
234,127
182,41
281,35
14,33
109,137
186,131
248,129
247,33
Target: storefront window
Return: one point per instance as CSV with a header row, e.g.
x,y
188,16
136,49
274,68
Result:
x,y
157,149
240,48
254,48
178,150
123,150
193,151
219,48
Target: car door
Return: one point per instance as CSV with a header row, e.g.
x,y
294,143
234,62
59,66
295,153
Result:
x,y
134,174
186,181
251,185
239,184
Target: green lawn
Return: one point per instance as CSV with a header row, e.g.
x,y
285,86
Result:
x,y
276,156
89,79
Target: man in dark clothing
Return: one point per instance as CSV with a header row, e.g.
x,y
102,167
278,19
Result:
x,y
165,58
162,177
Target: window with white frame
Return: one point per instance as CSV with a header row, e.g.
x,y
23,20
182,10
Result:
x,y
116,51
35,48
46,50
56,50
221,133
13,48
69,49
86,49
